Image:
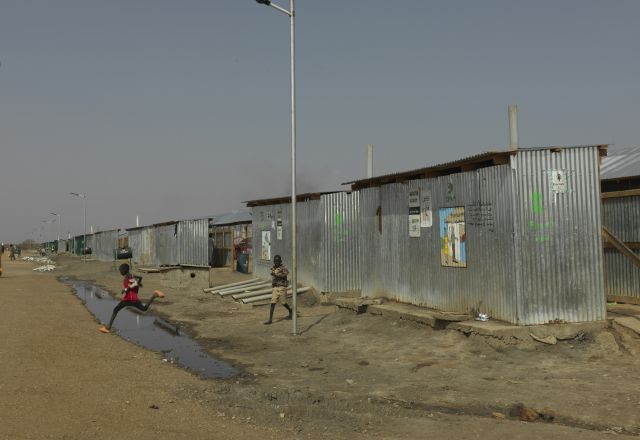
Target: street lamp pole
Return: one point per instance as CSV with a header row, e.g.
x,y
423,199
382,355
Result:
x,y
58,220
294,272
83,196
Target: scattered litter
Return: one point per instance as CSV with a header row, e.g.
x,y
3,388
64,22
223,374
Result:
x,y
47,268
498,415
154,406
482,317
41,260
350,381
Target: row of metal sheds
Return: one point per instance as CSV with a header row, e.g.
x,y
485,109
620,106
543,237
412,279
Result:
x,y
172,243
512,234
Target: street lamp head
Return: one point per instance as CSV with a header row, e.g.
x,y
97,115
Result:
x,y
264,2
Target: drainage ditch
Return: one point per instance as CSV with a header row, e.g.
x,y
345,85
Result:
x,y
151,332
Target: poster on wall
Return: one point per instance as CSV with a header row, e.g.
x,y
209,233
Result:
x,y
558,180
426,215
414,212
279,226
266,246
453,237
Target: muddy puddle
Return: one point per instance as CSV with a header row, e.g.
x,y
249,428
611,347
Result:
x,y
151,332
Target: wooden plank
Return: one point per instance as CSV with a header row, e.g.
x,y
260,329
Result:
x,y
630,244
635,259
617,194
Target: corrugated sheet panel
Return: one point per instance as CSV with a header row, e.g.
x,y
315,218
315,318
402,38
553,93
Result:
x,y
409,269
193,242
91,242
370,238
142,246
622,217
135,243
309,221
622,278
487,283
105,244
340,258
166,251
229,218
620,163
559,239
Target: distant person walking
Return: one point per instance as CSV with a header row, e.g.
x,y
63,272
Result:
x,y
279,284
131,284
12,252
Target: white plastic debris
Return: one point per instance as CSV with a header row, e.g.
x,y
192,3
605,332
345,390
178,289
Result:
x,y
482,317
41,260
45,268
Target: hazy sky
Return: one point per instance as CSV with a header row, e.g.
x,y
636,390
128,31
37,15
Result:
x,y
172,109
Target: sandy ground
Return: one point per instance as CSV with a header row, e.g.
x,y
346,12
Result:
x,y
345,376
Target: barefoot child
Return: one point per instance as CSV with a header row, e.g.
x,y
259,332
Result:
x,y
131,284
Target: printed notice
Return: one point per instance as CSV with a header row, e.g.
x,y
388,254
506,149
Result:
x,y
558,181
279,226
426,215
265,253
414,212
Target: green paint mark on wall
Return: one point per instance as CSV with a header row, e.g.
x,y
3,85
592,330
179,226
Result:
x,y
536,202
338,219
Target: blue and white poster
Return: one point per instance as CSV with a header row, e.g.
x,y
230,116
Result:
x,y
453,237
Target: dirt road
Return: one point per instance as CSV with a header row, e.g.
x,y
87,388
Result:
x,y
345,376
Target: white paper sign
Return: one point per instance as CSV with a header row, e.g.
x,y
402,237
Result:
x,y
414,212
426,214
558,181
266,246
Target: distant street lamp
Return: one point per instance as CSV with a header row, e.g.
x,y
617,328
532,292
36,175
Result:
x,y
294,281
58,216
83,196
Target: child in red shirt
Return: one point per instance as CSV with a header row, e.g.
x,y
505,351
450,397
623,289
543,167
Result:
x,y
131,284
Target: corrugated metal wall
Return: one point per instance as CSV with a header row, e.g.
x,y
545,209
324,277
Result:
x,y
142,245
77,244
370,249
193,242
91,243
309,216
559,239
105,243
621,215
409,269
328,246
62,246
166,240
340,258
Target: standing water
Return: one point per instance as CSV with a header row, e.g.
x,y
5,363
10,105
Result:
x,y
151,332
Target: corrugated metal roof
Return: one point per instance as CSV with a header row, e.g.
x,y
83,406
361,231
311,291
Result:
x,y
282,200
485,159
230,218
621,163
